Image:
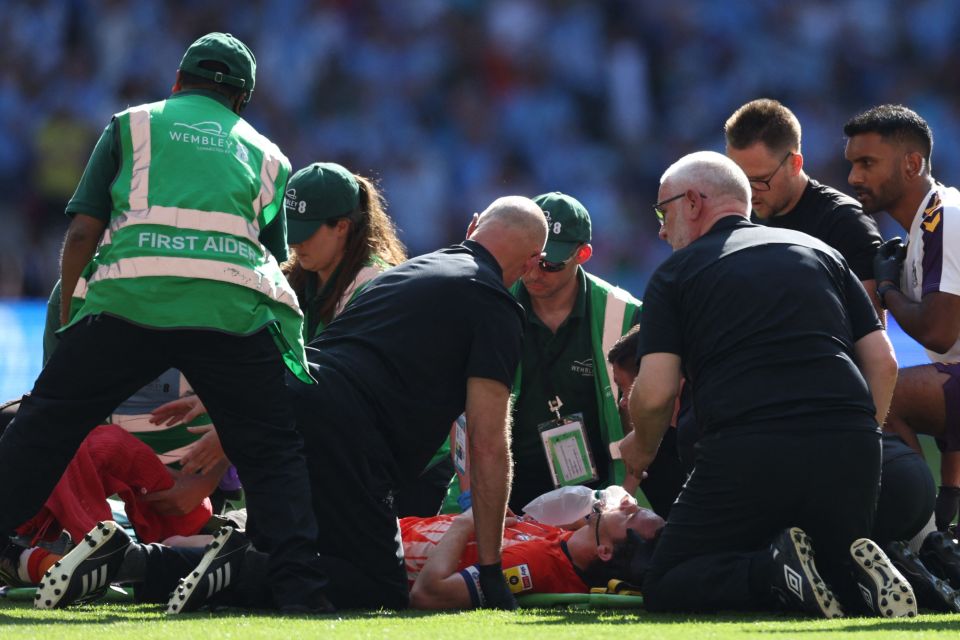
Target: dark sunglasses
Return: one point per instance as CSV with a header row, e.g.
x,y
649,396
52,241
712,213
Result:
x,y
554,267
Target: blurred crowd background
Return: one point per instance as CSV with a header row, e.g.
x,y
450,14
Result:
x,y
451,103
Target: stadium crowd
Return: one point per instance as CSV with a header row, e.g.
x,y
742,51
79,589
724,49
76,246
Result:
x,y
201,278
450,103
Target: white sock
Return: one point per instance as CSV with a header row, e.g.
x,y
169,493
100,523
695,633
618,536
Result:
x,y
22,565
917,541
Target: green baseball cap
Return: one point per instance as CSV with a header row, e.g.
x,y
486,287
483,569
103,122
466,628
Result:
x,y
319,192
223,48
568,224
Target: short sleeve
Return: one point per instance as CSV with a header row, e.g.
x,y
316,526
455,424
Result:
x,y
856,236
940,235
863,316
660,331
92,196
497,337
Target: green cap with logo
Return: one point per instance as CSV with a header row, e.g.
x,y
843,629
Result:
x,y
568,224
319,192
225,49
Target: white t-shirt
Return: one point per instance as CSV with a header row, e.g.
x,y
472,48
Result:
x,y
933,253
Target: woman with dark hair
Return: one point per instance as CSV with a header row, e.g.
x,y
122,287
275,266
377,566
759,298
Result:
x,y
341,238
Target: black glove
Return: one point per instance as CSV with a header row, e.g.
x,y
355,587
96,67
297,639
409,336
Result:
x,y
888,261
496,593
948,503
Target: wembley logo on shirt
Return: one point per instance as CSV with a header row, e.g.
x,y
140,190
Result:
x,y
582,367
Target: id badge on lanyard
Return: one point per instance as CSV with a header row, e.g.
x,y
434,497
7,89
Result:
x,y
567,449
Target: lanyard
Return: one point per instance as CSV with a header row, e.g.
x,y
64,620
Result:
x,y
554,402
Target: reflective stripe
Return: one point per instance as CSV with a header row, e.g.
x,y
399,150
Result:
x,y
150,266
80,291
140,171
616,309
186,220
269,169
364,276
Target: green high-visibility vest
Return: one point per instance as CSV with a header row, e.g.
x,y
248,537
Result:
x,y
612,311
196,185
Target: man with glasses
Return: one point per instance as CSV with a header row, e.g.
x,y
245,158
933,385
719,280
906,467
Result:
x,y
763,138
789,369
563,396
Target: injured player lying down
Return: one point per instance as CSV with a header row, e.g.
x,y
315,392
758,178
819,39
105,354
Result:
x,y
612,543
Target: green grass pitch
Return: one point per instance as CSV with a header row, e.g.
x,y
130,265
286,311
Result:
x,y
148,622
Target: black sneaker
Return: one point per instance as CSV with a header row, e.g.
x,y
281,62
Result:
x,y
796,581
85,573
941,555
932,592
60,547
218,571
10,552
885,591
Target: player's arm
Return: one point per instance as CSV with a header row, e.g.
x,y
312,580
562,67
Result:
x,y
934,322
439,585
652,401
878,364
89,209
79,245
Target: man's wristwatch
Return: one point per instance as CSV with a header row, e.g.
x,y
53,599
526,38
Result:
x,y
882,291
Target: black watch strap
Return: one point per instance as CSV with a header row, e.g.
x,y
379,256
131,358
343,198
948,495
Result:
x,y
882,291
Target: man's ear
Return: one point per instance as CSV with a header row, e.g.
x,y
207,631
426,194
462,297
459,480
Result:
x,y
796,163
177,84
474,221
584,253
605,552
914,164
693,198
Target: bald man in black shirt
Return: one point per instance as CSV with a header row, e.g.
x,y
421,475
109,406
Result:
x,y
789,369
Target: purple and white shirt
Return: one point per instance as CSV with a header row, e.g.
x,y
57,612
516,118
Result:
x,y
933,254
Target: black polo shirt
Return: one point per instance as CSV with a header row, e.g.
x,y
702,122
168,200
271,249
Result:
x,y
837,219
411,339
764,321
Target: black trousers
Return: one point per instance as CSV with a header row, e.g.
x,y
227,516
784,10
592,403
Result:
x,y
103,360
353,478
907,493
424,496
745,489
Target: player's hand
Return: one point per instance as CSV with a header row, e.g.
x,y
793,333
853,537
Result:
x,y
496,593
948,504
205,454
888,261
178,411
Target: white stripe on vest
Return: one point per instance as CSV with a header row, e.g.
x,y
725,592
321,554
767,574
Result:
x,y
186,220
616,309
140,171
151,266
269,169
364,276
